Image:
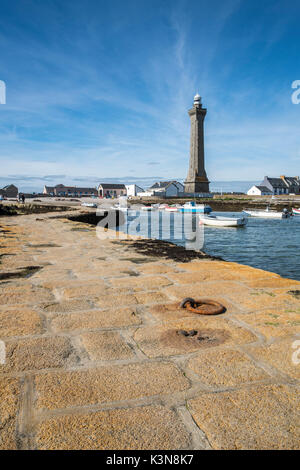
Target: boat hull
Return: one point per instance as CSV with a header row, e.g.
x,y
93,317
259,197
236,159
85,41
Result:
x,y
196,210
296,211
192,208
215,221
89,204
267,214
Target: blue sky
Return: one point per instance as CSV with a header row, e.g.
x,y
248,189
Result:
x,y
100,89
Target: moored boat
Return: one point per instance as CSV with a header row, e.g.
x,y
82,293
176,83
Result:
x,y
296,211
267,213
121,208
174,208
192,207
89,204
153,207
162,206
218,221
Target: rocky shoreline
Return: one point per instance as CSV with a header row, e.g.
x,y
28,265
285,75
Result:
x,y
226,203
230,204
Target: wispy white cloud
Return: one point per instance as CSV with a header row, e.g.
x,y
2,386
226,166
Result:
x,y
88,99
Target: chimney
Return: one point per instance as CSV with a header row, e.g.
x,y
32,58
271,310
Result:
x,y
282,177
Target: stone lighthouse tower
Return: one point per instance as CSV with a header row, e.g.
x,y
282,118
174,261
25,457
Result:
x,y
196,180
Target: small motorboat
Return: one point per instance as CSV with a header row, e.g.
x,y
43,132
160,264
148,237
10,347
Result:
x,y
267,213
89,204
121,207
147,208
174,208
192,207
218,221
296,211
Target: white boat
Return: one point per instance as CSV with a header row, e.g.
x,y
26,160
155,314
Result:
x,y
174,208
267,213
194,208
296,211
89,204
218,221
120,207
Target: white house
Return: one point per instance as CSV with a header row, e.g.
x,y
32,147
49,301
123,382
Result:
x,y
133,189
164,189
259,191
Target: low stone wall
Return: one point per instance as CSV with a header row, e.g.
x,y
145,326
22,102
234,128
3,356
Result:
x,y
227,203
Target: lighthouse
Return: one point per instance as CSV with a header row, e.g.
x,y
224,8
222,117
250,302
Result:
x,y
196,180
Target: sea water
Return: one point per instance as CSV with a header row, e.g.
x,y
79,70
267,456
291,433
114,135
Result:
x,y
269,244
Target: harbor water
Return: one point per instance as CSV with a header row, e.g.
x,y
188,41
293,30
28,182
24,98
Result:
x,y
269,244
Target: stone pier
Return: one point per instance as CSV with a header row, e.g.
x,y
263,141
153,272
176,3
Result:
x,y
94,359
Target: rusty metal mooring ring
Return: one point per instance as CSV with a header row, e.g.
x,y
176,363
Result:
x,y
202,306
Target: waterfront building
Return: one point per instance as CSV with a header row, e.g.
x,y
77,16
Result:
x,y
259,191
133,189
283,184
164,189
293,183
111,190
69,191
9,191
